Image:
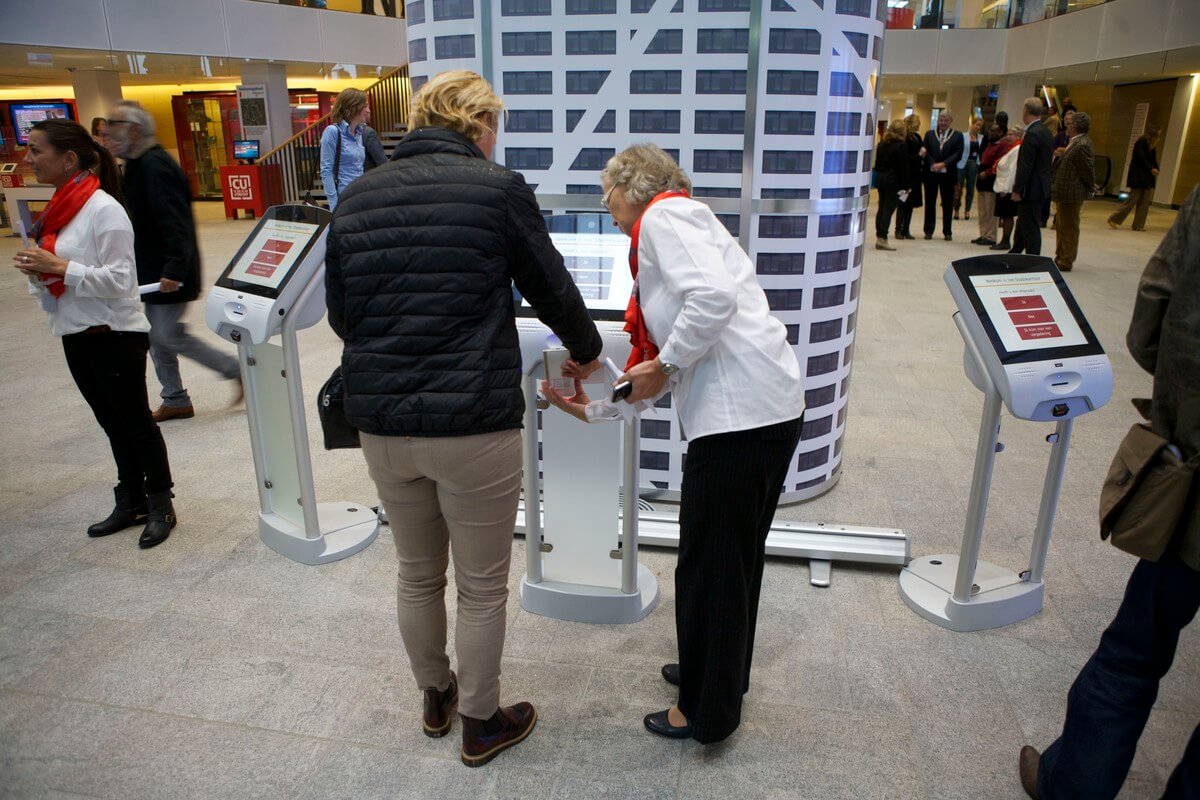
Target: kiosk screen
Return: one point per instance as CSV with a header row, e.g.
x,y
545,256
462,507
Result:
x,y
1029,314
266,262
596,254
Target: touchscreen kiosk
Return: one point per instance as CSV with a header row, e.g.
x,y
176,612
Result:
x,y
255,291
1028,346
1037,347
273,287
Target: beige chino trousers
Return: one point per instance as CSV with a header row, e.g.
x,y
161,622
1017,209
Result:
x,y
451,495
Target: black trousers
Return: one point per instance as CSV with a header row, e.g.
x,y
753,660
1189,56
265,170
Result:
x,y
731,486
1028,236
1110,701
905,211
110,370
939,184
888,201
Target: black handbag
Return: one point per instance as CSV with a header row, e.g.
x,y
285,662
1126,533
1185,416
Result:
x,y
331,407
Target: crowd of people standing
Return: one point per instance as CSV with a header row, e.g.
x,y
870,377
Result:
x,y
1012,177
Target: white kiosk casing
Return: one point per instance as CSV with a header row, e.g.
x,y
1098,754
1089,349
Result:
x,y
1028,346
276,285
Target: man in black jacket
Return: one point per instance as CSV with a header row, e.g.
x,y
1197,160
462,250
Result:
x,y
1031,186
943,151
159,203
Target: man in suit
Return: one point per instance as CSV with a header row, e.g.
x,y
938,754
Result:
x,y
1032,182
1074,182
942,151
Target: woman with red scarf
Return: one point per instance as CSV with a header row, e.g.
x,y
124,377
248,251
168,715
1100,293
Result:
x,y
82,268
701,327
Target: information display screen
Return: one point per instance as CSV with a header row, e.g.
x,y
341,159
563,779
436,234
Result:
x,y
269,257
1026,309
596,254
245,148
26,115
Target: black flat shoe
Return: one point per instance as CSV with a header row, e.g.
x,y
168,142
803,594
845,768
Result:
x,y
658,723
670,673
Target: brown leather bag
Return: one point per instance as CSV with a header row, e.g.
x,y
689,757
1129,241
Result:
x,y
1145,494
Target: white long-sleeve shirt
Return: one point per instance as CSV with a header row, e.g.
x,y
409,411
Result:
x,y
101,278
706,312
1006,171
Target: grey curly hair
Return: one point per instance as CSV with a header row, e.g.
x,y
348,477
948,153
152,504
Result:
x,y
644,170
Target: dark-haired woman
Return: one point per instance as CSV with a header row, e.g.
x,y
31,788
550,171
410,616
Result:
x,y
82,269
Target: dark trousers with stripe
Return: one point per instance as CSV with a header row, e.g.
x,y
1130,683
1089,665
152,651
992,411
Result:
x,y
731,486
110,370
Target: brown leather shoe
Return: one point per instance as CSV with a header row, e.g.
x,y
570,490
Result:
x,y
1029,761
439,709
164,413
509,726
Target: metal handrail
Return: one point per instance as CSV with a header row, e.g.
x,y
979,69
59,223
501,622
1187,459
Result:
x,y
299,158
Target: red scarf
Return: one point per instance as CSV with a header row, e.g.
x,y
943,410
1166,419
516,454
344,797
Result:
x,y
635,324
62,208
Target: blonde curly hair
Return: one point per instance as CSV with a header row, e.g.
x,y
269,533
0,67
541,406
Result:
x,y
459,100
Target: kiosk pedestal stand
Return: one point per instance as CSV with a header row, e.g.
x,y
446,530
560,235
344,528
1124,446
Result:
x,y
276,284
584,585
1010,306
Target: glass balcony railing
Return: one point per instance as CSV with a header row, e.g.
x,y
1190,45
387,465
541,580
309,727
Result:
x,y
938,14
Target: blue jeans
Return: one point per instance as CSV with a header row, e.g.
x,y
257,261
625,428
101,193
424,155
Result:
x,y
1111,699
169,340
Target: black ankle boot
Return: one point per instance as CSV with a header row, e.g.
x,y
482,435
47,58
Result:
x,y
130,510
160,519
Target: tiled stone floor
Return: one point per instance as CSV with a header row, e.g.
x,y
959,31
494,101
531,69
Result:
x,y
211,667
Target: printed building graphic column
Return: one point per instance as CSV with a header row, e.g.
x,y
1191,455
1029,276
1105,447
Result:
x,y
766,103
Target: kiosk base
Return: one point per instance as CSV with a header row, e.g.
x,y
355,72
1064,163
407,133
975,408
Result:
x,y
346,528
595,604
999,596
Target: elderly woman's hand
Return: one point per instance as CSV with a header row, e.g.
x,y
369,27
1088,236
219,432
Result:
x,y
575,406
648,380
35,259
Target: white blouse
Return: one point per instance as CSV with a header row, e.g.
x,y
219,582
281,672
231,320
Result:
x,y
101,276
705,310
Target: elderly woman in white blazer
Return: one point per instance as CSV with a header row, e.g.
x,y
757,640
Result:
x,y
701,329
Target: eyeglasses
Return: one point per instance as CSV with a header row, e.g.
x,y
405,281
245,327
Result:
x,y
111,122
608,194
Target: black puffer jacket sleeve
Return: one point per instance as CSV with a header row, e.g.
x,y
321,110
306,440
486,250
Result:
x,y
335,287
537,269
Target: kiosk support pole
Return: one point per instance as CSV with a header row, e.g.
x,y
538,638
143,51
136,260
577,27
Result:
x,y
260,465
291,361
1050,490
985,458
533,503
629,502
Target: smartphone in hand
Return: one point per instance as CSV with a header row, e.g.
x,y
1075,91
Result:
x,y
622,390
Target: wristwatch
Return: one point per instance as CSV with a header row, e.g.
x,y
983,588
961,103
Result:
x,y
668,369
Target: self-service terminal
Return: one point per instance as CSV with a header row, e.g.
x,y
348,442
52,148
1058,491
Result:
x,y
275,285
1027,347
581,548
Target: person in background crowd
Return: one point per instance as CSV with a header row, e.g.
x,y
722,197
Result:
x,y
1058,132
942,150
701,328
1031,185
904,212
970,171
1061,139
159,201
1005,173
99,125
1074,182
1143,175
985,183
343,153
891,179
420,264
92,303
1110,701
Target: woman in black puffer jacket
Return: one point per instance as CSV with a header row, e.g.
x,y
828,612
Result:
x,y
421,259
